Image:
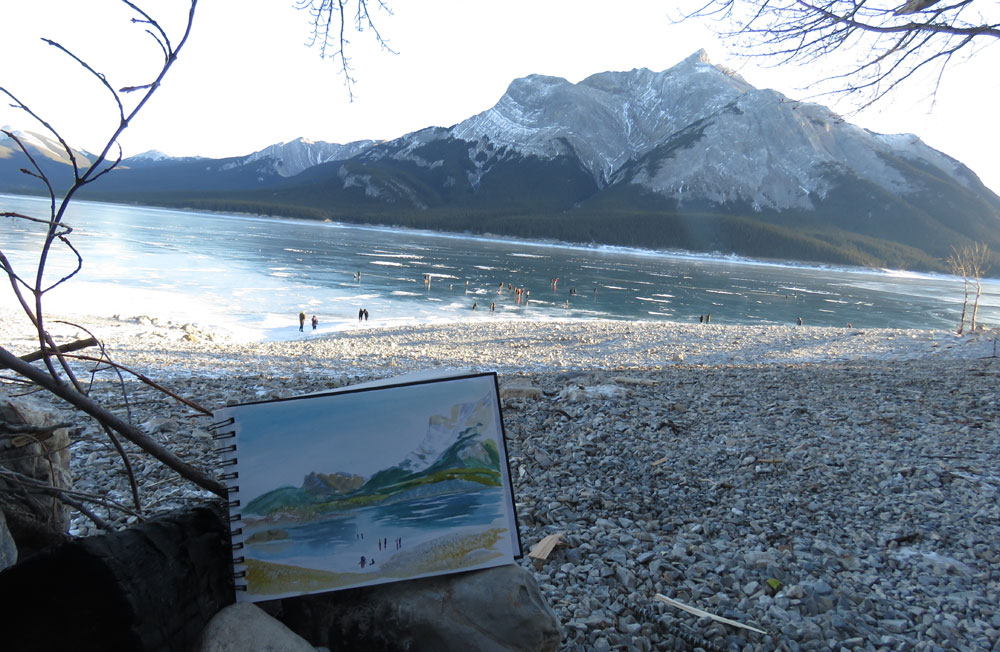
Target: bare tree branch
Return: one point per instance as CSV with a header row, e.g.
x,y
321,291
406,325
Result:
x,y
893,40
328,24
127,430
30,294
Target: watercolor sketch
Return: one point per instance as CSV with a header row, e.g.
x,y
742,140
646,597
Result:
x,y
370,486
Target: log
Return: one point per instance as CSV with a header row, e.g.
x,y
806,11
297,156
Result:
x,y
152,587
65,348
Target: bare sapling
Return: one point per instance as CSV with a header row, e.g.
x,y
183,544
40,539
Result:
x,y
54,367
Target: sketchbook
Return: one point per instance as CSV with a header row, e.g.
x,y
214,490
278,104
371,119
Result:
x,y
369,484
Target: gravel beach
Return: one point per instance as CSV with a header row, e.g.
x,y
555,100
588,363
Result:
x,y
835,488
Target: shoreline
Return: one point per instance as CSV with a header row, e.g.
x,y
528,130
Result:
x,y
507,346
836,488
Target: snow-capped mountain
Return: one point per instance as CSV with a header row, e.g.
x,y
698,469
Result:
x,y
300,154
39,145
608,118
465,425
151,156
697,131
692,157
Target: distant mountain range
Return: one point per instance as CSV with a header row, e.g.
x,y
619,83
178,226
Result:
x,y
690,158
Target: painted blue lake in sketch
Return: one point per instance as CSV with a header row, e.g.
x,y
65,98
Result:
x,y
338,543
258,273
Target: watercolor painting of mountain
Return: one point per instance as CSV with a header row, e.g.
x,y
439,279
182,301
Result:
x,y
371,485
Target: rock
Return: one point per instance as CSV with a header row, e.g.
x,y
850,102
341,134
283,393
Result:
x,y
494,610
520,391
628,380
884,508
245,626
8,549
160,424
576,394
34,519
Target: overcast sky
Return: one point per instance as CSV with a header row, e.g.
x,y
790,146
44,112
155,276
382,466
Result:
x,y
246,80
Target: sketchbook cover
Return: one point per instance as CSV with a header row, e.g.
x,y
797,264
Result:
x,y
368,485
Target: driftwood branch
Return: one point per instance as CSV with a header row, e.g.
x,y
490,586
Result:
x,y
113,421
65,348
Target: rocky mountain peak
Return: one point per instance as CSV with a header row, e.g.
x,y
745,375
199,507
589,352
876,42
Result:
x,y
301,154
692,157
701,56
606,119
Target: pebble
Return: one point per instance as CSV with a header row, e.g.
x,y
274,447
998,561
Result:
x,y
836,489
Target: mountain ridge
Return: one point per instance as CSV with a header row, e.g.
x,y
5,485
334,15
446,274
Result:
x,y
691,157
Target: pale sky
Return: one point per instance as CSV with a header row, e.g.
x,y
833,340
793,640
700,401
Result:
x,y
246,80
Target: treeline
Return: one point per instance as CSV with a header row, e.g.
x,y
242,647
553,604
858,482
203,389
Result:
x,y
695,231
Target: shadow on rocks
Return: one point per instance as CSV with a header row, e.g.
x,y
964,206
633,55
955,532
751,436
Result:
x,y
493,610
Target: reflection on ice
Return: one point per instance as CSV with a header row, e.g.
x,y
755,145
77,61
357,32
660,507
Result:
x,y
254,275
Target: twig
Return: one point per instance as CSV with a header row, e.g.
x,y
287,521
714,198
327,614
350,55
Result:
x,y
703,614
111,420
30,484
64,348
147,380
80,507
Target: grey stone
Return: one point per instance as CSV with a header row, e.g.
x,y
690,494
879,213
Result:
x,y
520,391
894,625
245,626
34,520
494,610
8,549
159,425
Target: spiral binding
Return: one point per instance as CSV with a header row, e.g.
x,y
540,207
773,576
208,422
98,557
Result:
x,y
220,424
223,430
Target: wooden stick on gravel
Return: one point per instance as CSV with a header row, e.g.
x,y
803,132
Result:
x,y
701,614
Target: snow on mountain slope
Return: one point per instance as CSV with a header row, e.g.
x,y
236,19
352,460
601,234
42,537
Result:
x,y
300,154
607,118
697,131
443,432
775,153
38,144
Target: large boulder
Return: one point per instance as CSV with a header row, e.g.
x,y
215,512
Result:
x,y
32,448
494,610
244,626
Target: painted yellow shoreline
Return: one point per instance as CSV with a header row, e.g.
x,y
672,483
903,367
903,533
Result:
x,y
450,552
